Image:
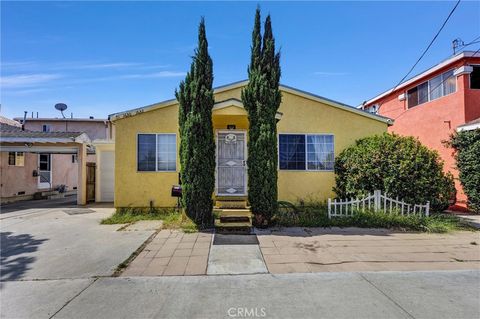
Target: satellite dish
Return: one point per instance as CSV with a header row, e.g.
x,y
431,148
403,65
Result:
x,y
61,107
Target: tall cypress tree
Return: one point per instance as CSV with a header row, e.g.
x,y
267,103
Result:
x,y
197,144
250,97
261,99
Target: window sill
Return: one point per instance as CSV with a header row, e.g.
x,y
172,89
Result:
x,y
157,171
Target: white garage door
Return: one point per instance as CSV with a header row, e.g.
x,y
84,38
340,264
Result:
x,y
107,168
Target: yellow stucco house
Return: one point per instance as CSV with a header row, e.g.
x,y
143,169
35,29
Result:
x,y
312,130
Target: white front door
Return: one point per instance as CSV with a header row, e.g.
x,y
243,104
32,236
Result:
x,y
231,164
44,170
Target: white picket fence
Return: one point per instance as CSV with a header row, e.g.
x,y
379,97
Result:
x,y
376,202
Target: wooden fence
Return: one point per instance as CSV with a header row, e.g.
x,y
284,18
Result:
x,y
376,202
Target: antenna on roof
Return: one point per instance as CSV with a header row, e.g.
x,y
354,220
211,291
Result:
x,y
61,107
457,43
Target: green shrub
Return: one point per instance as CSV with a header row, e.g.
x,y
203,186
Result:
x,y
315,214
396,165
467,155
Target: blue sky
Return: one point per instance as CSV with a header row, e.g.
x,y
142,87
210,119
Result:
x,y
105,57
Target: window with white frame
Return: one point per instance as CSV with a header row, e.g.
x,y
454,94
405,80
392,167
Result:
x,y
306,152
372,108
46,128
157,152
432,89
16,158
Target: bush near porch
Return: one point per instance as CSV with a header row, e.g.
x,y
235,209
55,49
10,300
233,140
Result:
x,y
315,214
396,165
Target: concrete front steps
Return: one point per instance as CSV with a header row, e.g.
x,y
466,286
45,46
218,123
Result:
x,y
232,215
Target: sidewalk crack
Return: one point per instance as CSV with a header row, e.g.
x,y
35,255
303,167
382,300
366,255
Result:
x,y
71,299
388,297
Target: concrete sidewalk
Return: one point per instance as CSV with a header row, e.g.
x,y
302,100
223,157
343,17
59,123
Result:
x,y
449,294
291,250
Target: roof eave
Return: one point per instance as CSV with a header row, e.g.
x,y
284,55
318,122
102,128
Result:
x,y
455,58
308,95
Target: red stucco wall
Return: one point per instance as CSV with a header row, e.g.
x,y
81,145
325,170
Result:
x,y
434,121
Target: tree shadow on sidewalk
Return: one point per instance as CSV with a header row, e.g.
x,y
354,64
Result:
x,y
14,250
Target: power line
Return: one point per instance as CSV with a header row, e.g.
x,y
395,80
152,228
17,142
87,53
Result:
x,y
428,47
430,90
474,53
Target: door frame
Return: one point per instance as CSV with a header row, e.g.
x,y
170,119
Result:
x,y
245,155
43,185
87,182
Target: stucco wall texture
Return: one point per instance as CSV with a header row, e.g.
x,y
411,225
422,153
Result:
x,y
300,115
433,122
17,179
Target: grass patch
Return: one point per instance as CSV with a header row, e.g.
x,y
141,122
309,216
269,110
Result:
x,y
315,214
171,218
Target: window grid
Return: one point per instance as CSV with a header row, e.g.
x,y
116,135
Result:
x,y
16,159
161,152
320,159
320,152
435,88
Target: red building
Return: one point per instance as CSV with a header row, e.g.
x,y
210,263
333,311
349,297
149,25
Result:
x,y
432,104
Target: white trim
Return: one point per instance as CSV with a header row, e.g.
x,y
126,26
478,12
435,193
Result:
x,y
40,149
468,127
306,153
236,103
82,138
307,95
437,67
103,142
151,107
227,103
48,119
156,153
245,155
465,69
39,183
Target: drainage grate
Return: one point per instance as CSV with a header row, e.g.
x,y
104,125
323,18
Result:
x,y
78,211
234,239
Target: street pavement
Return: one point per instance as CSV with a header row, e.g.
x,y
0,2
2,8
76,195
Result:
x,y
58,262
436,295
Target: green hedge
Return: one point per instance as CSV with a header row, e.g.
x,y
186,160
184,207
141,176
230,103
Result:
x,y
467,155
396,165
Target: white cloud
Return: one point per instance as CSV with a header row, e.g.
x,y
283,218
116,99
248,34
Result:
x,y
26,80
102,65
23,66
161,74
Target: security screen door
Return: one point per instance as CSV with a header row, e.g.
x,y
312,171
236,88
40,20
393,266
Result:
x,y
231,164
